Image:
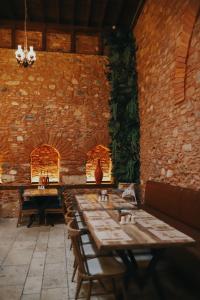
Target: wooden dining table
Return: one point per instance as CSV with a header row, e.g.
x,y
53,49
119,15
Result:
x,y
92,201
144,232
40,193
43,199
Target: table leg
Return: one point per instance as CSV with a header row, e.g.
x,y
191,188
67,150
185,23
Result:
x,y
31,219
130,271
151,272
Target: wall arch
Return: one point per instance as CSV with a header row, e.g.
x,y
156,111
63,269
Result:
x,y
45,160
183,41
103,153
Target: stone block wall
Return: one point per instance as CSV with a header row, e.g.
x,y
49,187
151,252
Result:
x,y
61,101
168,64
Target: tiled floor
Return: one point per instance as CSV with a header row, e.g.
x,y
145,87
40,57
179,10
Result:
x,y
37,264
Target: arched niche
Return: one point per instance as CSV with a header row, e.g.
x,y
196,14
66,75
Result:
x,y
102,153
45,160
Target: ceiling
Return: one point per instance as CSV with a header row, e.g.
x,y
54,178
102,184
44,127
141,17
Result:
x,y
86,15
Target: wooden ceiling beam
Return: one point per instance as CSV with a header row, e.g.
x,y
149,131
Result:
x,y
28,11
137,13
88,13
58,10
102,16
44,38
73,13
51,27
44,5
119,12
13,38
13,8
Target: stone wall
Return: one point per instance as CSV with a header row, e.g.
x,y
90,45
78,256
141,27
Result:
x,y
61,101
168,63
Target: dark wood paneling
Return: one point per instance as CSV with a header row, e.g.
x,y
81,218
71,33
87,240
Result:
x,y
98,13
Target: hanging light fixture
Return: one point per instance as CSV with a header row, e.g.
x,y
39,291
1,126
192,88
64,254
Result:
x,y
24,57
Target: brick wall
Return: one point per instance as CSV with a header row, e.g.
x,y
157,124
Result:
x,y
168,63
61,101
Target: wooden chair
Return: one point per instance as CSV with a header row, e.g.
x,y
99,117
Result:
x,y
56,208
26,208
88,249
97,268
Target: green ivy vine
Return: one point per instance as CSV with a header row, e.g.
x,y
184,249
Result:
x,y
124,121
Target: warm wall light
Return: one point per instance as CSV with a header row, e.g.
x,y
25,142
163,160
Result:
x,y
24,57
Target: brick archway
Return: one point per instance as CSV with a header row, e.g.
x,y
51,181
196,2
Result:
x,y
103,153
188,20
45,161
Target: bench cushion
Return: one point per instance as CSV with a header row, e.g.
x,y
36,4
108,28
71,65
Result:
x,y
163,197
180,208
190,207
193,232
182,204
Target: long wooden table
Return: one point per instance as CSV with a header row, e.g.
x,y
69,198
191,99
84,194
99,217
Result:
x,y
147,232
102,219
91,202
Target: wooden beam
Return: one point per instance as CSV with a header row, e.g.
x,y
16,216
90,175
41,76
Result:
x,y
119,9
73,41
137,13
51,27
59,11
102,17
13,8
44,9
88,13
101,45
28,11
44,38
73,13
13,38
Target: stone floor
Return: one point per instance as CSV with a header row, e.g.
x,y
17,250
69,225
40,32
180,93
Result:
x,y
36,264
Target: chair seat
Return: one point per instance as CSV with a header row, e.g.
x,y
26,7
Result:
x,y
54,210
29,212
29,205
106,266
89,250
85,239
81,225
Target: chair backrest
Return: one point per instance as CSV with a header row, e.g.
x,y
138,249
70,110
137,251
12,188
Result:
x,y
60,197
75,236
68,217
70,209
21,197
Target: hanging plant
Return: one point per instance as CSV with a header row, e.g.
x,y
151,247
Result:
x,y
124,121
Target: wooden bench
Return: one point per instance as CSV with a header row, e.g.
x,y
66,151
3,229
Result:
x,y
179,207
